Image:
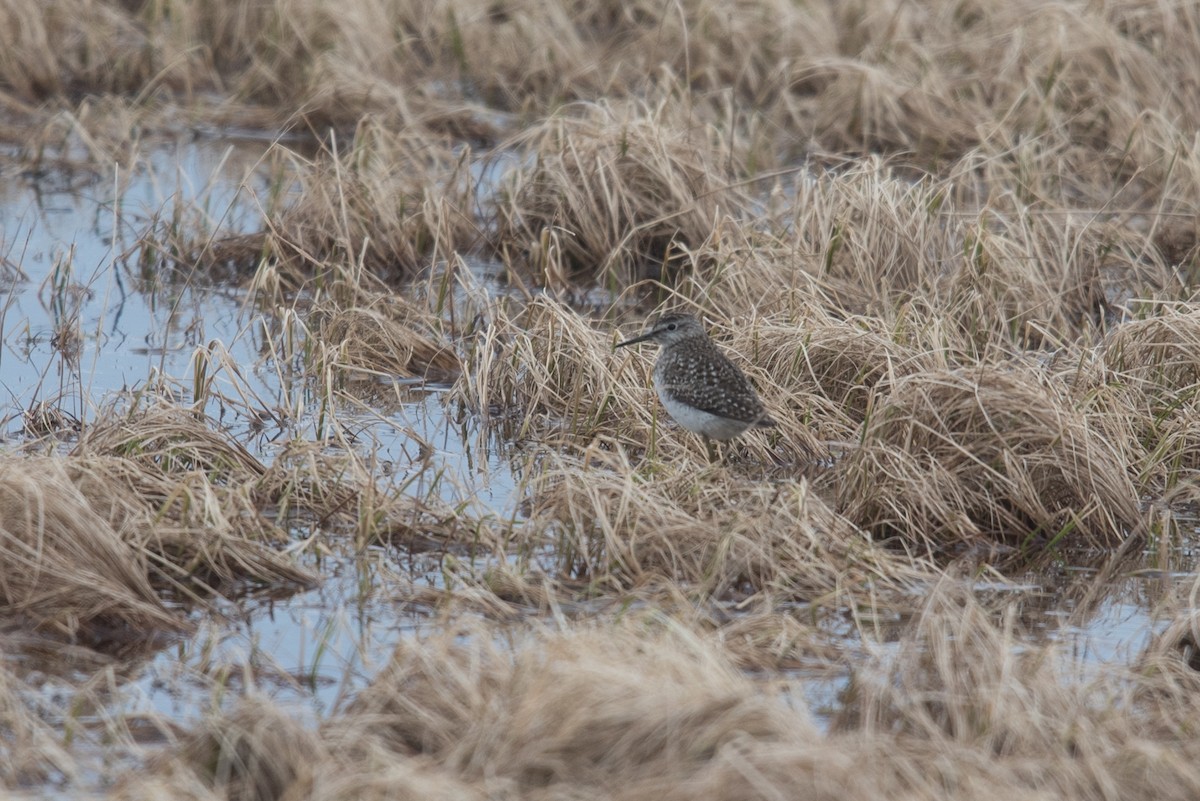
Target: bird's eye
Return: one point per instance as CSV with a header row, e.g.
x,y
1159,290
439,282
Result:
x,y
671,326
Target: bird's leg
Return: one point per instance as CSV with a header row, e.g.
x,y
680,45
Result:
x,y
708,447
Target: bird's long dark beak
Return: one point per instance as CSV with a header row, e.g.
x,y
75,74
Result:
x,y
635,340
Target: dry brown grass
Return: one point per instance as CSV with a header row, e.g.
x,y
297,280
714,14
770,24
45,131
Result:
x,y
989,271
935,79
383,203
997,453
1145,371
148,511
647,709
712,534
615,194
966,294
835,365
1159,355
66,566
385,336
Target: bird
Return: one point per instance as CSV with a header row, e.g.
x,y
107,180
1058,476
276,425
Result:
x,y
698,385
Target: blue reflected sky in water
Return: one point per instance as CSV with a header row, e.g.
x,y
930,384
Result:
x,y
73,238
69,257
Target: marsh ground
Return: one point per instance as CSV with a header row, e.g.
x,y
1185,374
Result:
x,y
321,477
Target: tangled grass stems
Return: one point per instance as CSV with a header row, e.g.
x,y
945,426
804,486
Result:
x,y
386,336
713,534
647,708
613,195
997,455
386,205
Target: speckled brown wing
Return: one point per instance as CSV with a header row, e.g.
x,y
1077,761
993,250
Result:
x,y
698,374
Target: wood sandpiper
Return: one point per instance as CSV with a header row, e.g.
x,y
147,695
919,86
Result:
x,y
701,389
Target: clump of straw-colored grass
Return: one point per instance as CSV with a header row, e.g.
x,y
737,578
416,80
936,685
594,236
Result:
x,y
64,47
1005,720
1034,279
567,710
67,567
962,707
837,364
257,752
388,204
1159,355
186,495
538,368
386,336
340,491
715,535
994,454
611,192
1005,275
1149,369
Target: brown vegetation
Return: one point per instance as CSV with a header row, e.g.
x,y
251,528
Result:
x,y
953,245
641,711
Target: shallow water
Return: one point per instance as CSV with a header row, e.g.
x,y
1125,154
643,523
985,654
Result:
x,y
66,244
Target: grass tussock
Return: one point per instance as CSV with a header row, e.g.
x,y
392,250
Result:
x,y
1159,355
990,455
1150,370
258,752
831,369
66,566
387,205
612,194
538,368
567,710
58,49
645,710
386,336
1002,720
147,511
716,536
991,272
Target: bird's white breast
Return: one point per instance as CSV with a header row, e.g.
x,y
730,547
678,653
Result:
x,y
701,422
